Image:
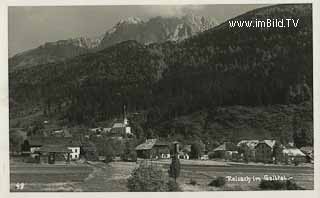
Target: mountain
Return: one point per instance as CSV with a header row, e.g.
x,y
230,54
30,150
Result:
x,y
252,72
156,29
53,52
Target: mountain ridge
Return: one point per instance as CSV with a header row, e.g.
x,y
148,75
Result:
x,y
156,29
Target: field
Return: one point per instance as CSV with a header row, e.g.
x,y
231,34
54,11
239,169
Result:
x,y
100,177
203,175
89,177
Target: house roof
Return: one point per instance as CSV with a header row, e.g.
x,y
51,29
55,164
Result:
x,y
54,149
150,143
118,125
270,143
64,141
147,145
222,147
250,143
227,146
293,152
307,149
186,148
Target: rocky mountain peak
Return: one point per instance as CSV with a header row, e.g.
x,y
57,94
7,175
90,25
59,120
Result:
x,y
130,20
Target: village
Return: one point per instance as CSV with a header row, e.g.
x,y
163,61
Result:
x,y
116,146
61,146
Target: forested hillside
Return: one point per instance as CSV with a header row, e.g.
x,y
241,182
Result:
x,y
214,70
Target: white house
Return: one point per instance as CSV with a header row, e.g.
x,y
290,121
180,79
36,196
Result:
x,y
75,154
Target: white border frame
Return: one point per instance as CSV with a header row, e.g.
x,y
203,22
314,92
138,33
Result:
x,y
4,110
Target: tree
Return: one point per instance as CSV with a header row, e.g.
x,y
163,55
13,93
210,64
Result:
x,y
174,170
277,152
301,137
195,151
148,178
109,153
129,154
16,142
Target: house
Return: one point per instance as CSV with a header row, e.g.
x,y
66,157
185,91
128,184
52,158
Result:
x,y
123,127
294,155
264,151
97,130
75,151
227,150
153,149
185,151
106,130
35,144
52,153
247,149
308,151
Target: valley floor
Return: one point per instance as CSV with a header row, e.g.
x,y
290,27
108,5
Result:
x,y
112,177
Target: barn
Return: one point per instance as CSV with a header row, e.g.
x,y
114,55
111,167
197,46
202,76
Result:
x,y
153,149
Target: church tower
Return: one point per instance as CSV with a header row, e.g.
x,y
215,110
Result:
x,y
125,119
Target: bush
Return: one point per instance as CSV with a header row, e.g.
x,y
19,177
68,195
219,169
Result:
x,y
148,178
193,182
129,157
218,182
173,186
279,185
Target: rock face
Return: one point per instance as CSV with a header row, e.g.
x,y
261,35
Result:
x,y
156,29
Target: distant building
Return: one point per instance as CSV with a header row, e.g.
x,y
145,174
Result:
x,y
247,149
292,155
264,151
121,128
36,145
227,150
52,153
308,151
185,151
153,149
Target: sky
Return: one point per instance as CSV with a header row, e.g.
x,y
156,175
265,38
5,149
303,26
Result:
x,y
30,27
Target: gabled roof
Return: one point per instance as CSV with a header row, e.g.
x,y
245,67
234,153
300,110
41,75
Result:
x,y
293,152
41,141
227,146
54,149
186,148
307,149
250,143
118,125
150,143
147,145
270,143
222,147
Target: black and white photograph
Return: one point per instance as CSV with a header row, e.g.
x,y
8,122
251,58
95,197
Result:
x,y
161,98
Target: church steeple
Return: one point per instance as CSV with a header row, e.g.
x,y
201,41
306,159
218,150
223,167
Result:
x,y
125,120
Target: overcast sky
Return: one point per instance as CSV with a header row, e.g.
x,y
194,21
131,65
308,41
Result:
x,y
30,27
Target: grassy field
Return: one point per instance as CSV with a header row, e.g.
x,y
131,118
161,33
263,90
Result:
x,y
45,177
93,177
203,175
112,177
